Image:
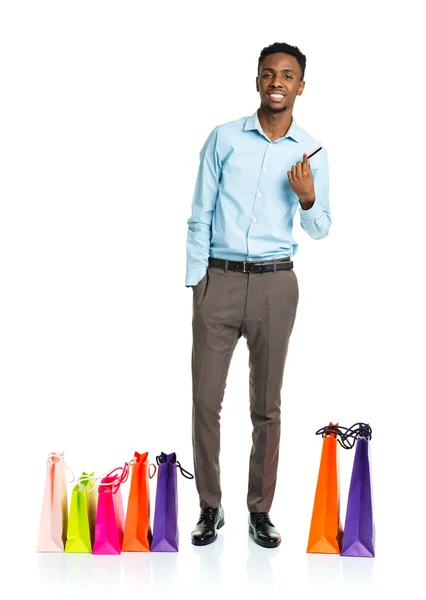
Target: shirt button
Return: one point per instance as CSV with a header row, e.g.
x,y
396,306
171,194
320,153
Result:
x,y
265,169
249,259
254,219
259,194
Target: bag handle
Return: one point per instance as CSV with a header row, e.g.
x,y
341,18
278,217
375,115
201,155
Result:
x,y
89,478
183,471
162,458
347,436
59,458
363,431
95,479
145,462
119,479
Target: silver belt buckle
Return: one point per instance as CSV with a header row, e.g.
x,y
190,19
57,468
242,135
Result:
x,y
244,266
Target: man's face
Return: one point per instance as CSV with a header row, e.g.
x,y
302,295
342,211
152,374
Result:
x,y
279,74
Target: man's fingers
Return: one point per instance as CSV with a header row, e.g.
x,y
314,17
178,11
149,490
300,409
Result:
x,y
305,166
300,169
307,163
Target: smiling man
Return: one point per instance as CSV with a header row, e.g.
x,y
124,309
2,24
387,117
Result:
x,y
253,177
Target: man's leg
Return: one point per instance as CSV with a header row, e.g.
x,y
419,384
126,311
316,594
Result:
x,y
270,314
218,310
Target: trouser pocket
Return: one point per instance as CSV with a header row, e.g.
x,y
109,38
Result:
x,y
200,289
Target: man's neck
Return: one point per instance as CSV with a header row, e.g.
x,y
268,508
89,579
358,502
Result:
x,y
274,125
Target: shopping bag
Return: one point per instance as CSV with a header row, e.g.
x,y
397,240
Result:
x,y
109,526
326,529
165,536
81,521
54,511
137,529
359,533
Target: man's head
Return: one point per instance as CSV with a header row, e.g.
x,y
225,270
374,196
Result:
x,y
281,69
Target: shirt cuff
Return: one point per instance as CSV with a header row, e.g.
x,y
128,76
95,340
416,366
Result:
x,y
312,213
194,275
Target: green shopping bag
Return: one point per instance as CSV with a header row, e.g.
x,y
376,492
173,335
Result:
x,y
82,517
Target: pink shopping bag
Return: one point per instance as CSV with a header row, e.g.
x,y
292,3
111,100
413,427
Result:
x,y
109,527
54,511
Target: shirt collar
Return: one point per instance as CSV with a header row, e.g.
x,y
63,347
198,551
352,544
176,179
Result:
x,y
294,130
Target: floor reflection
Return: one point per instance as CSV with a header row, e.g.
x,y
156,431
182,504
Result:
x,y
137,569
107,569
51,569
260,574
79,571
209,573
324,570
164,572
357,572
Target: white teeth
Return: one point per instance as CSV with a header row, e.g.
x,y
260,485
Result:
x,y
276,95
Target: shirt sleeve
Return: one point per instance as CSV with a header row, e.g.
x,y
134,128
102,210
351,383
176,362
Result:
x,y
316,220
203,206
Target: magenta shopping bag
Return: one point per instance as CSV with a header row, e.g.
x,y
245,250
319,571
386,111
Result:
x,y
109,526
165,537
359,533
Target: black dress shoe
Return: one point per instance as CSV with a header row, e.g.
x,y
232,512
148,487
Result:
x,y
263,531
210,520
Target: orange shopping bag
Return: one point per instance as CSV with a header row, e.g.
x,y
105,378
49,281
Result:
x,y
137,530
325,535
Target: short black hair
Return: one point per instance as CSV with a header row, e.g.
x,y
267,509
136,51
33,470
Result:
x,y
287,49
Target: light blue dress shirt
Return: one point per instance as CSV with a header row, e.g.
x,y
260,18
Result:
x,y
243,205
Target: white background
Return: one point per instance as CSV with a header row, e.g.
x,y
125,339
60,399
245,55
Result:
x,y
104,109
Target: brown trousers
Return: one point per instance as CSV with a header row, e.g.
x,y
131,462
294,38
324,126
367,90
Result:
x,y
262,308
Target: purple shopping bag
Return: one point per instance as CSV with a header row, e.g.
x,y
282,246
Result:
x,y
359,532
165,535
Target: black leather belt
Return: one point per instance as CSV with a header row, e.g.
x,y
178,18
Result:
x,y
251,266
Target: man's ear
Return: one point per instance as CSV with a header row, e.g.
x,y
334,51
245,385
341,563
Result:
x,y
257,84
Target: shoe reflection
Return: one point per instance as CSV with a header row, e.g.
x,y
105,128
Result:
x,y
260,574
209,573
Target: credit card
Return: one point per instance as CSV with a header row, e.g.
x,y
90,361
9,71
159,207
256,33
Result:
x,y
316,149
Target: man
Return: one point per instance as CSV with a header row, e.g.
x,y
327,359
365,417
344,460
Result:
x,y
253,176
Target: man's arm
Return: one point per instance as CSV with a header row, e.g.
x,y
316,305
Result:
x,y
203,205
315,216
